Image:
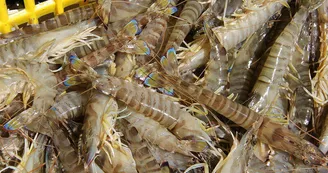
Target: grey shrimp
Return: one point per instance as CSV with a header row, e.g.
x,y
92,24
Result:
x,y
52,162
240,153
68,154
269,132
242,72
314,40
10,147
197,56
93,131
112,11
148,156
238,30
303,103
216,74
26,46
319,82
176,161
189,15
41,84
33,157
95,45
122,163
124,41
145,162
154,105
68,106
67,18
153,132
152,35
275,68
144,159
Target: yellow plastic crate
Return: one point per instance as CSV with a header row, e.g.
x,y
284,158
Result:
x,y
32,12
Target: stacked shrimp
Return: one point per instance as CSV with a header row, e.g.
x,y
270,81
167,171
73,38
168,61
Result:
x,y
114,86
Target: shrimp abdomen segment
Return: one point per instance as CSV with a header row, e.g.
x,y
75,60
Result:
x,y
189,15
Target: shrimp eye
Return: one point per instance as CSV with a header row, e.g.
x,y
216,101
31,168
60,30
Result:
x,y
307,162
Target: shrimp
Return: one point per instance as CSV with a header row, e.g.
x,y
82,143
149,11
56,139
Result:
x,y
145,161
67,153
153,132
314,40
223,8
152,34
13,81
240,153
216,73
9,147
93,132
271,77
269,132
148,156
26,46
95,45
277,113
41,83
242,71
123,38
196,56
319,82
104,64
123,161
153,105
69,106
67,18
304,106
155,20
238,30
147,75
51,161
12,109
108,67
112,11
175,160
190,13
33,157
277,162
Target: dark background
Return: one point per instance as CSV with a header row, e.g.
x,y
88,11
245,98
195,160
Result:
x,y
18,4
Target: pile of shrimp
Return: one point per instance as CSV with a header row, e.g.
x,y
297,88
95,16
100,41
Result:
x,y
143,86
